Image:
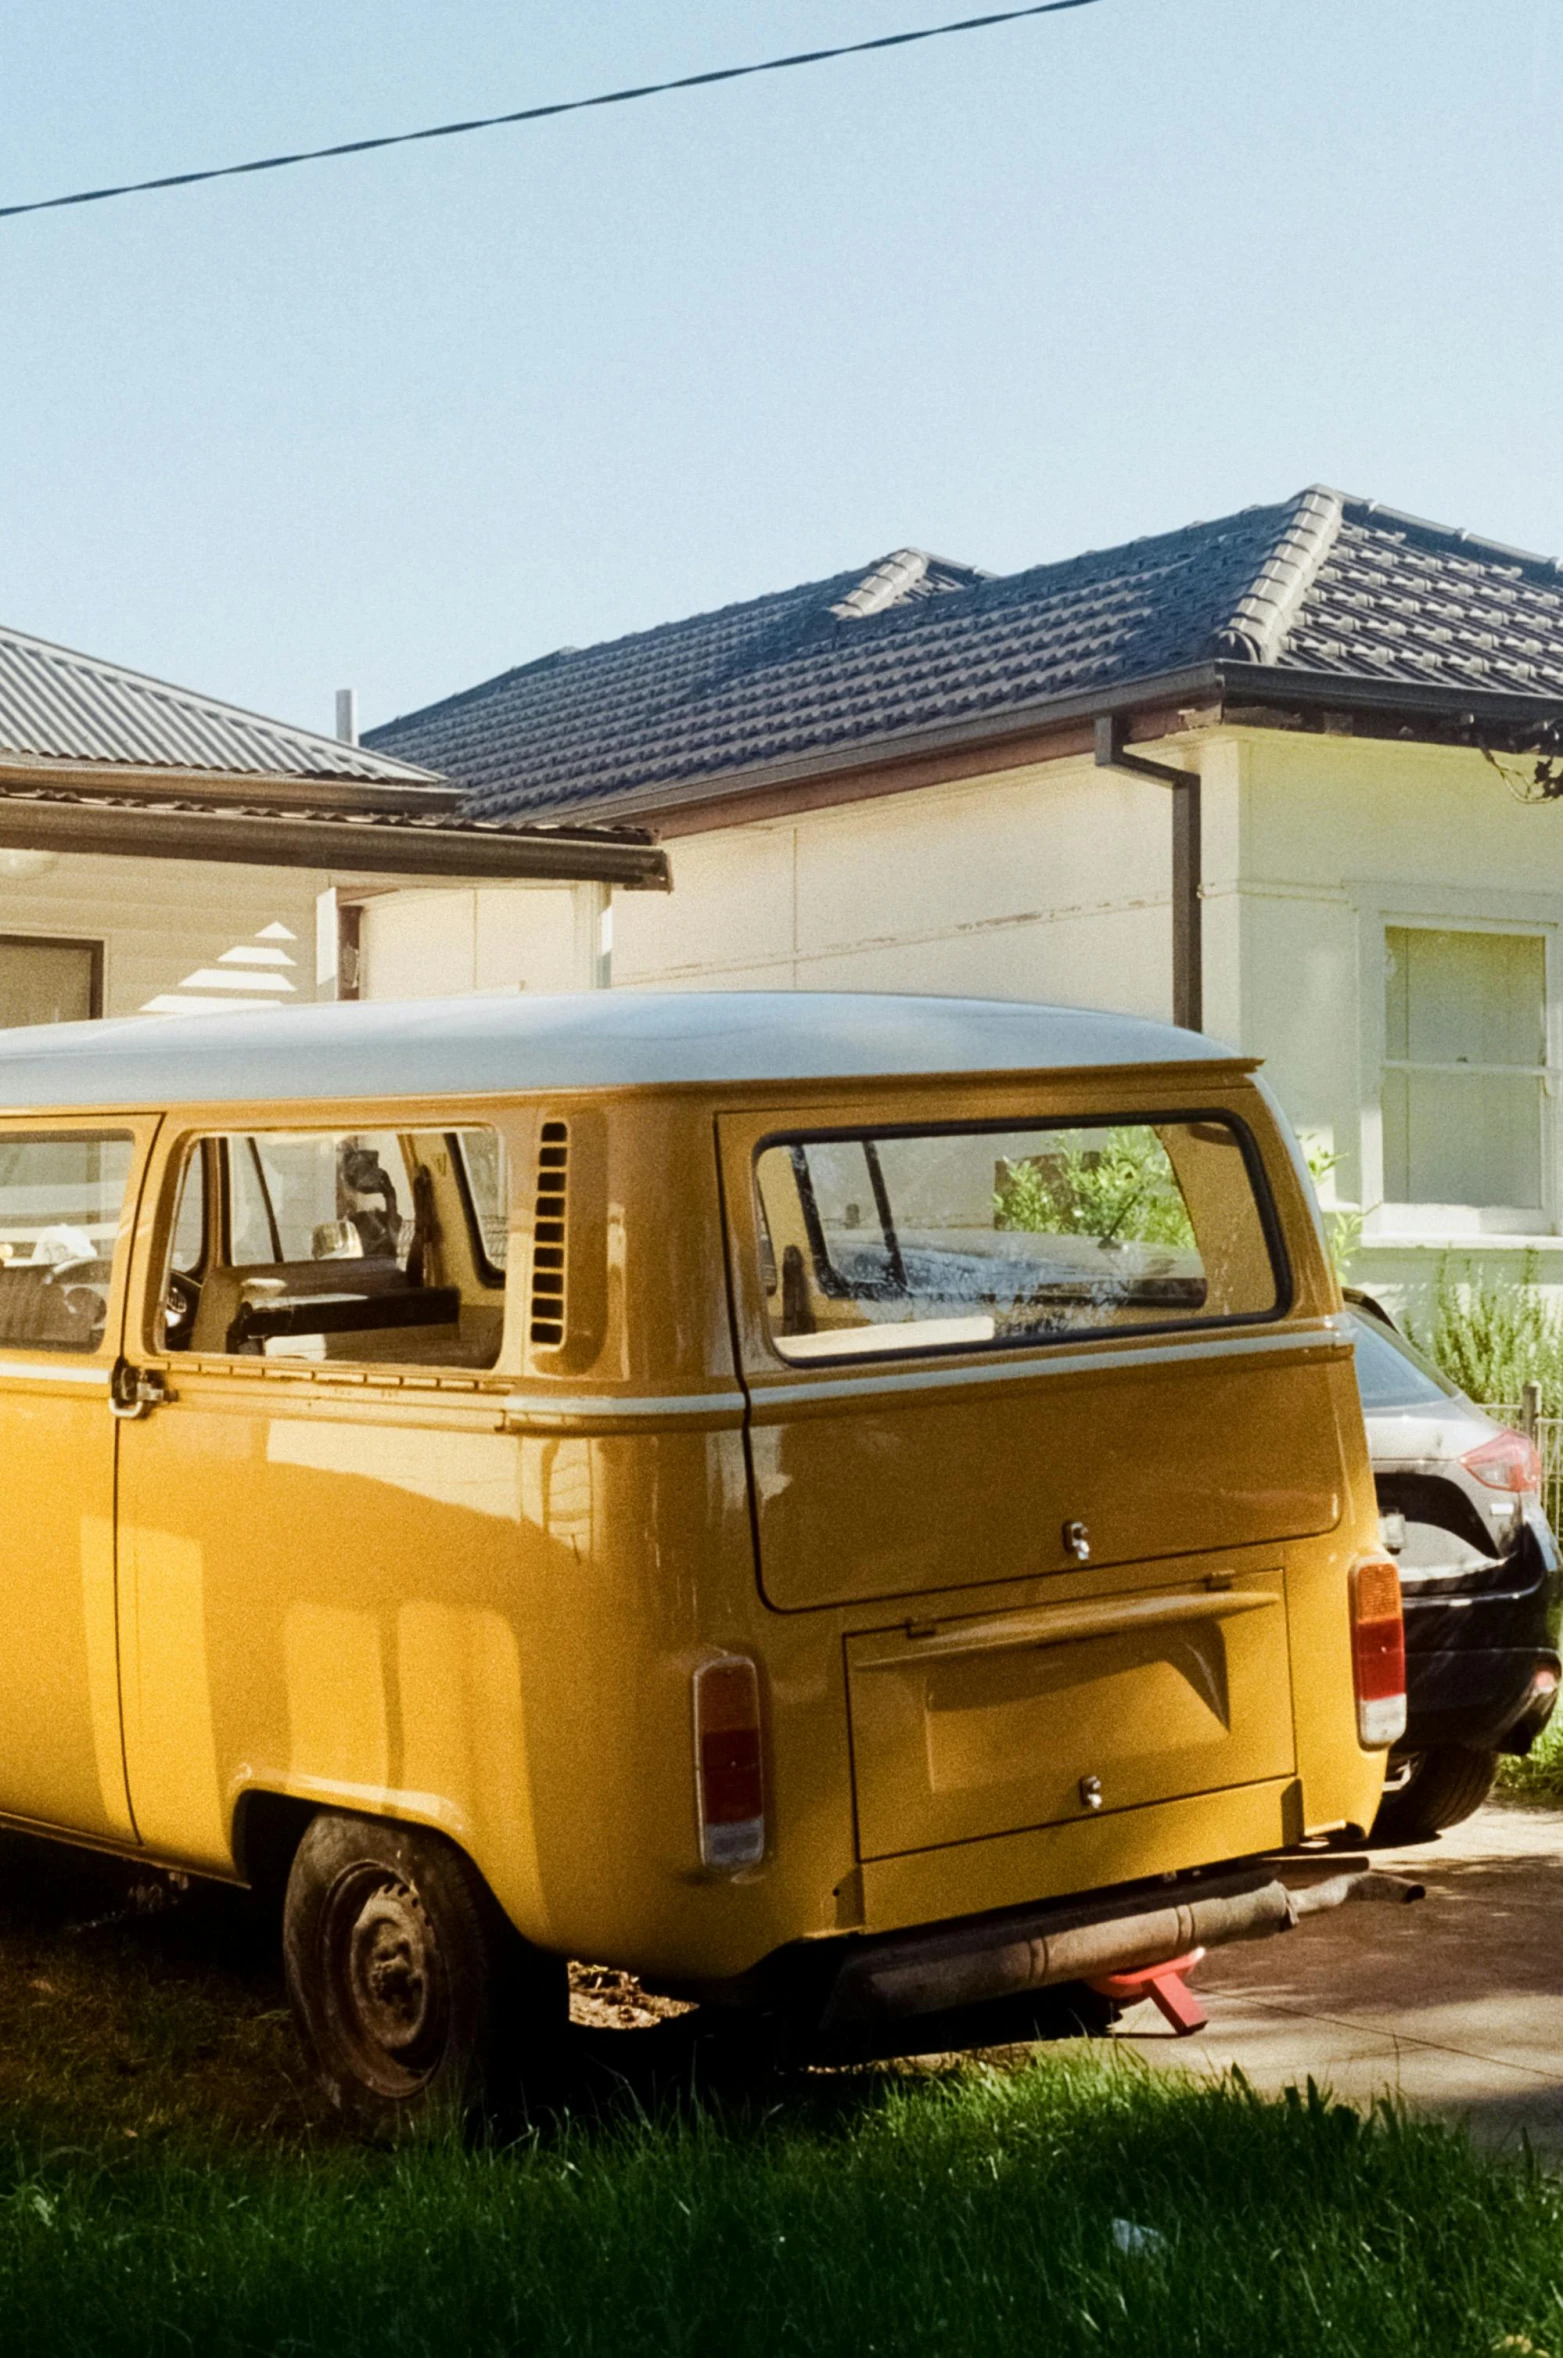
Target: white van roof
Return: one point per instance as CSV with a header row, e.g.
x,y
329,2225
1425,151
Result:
x,y
494,1043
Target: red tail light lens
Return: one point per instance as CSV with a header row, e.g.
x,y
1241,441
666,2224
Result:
x,y
729,1778
1509,1461
1378,1651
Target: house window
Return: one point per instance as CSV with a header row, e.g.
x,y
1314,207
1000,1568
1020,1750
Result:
x,y
1464,1068
49,981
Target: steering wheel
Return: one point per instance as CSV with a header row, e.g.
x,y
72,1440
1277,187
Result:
x,y
181,1300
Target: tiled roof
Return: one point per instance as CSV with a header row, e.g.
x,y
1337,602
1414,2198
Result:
x,y
56,705
1320,583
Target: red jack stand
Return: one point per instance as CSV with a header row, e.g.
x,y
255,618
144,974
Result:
x,y
1165,1986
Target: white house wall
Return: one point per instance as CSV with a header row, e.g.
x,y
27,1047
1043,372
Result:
x,y
1045,883
1342,836
436,943
159,920
1051,882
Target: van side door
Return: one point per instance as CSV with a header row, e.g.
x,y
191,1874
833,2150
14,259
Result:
x,y
67,1200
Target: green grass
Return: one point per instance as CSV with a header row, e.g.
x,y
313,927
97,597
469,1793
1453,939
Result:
x,y
169,2183
969,2211
1539,1776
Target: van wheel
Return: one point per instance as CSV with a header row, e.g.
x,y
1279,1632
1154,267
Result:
x,y
1441,1786
416,2000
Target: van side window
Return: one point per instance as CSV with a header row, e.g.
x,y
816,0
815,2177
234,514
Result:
x,y
339,1244
952,1239
61,1195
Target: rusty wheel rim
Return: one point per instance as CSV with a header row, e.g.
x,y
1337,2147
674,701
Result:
x,y
386,1980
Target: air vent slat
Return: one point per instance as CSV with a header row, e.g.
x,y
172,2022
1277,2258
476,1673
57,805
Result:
x,y
548,1315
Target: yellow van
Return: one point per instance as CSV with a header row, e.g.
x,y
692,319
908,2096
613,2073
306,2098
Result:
x,y
851,1504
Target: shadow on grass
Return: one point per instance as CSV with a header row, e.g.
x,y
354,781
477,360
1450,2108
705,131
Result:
x,y
135,2009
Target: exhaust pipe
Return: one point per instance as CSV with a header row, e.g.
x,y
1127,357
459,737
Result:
x,y
965,1965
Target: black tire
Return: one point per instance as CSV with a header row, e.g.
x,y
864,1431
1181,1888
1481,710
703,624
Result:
x,y
1445,1784
415,1999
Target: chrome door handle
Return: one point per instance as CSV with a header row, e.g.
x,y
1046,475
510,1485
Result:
x,y
133,1390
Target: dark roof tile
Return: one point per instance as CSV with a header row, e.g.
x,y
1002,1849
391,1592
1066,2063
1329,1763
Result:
x,y
1319,583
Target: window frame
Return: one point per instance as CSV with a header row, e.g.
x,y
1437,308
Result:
x,y
493,1272
67,941
140,1129
207,1140
1387,1219
998,1127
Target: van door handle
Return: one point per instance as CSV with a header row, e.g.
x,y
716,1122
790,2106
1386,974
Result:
x,y
134,1390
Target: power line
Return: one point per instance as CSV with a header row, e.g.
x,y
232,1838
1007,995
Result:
x,y
536,114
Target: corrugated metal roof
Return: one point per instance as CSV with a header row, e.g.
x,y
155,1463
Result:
x,y
58,705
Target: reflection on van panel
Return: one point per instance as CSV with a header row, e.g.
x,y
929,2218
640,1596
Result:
x,y
449,1469
703,1484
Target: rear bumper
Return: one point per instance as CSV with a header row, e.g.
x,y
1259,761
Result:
x,y
1484,1697
943,1968
1474,1646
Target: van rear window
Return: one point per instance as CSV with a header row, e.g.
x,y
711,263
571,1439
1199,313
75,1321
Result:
x,y
960,1239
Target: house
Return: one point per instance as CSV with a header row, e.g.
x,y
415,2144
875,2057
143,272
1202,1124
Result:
x,y
1277,773
165,851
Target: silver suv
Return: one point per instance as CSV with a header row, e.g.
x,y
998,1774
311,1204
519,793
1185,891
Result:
x,y
1460,1508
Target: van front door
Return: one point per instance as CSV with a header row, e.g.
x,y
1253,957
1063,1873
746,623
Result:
x,y
319,1509
66,1204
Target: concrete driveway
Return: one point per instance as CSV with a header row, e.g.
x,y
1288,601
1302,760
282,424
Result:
x,y
1455,2004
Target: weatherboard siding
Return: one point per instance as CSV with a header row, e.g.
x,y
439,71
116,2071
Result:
x,y
160,920
1050,882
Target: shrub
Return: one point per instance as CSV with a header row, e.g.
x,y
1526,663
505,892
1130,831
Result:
x,y
1493,1336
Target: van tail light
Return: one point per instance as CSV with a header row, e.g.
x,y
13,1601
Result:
x,y
729,1778
1378,1651
1509,1461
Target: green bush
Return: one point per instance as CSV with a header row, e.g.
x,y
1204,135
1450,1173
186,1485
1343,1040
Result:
x,y
1493,1336
1121,1186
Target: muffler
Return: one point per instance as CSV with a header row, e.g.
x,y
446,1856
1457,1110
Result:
x,y
966,1964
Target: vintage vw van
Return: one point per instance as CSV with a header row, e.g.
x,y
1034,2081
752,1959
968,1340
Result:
x,y
849,1504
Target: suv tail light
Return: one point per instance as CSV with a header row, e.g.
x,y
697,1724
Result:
x,y
1378,1651
1509,1461
729,1780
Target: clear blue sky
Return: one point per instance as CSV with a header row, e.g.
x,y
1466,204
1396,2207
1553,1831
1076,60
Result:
x,y
404,421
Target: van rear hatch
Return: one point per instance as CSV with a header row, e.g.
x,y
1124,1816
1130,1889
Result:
x,y
1033,1350
989,1351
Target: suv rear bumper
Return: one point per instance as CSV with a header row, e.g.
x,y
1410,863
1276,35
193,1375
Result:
x,y
1475,1645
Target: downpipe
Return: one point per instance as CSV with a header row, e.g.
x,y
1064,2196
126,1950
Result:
x,y
907,1975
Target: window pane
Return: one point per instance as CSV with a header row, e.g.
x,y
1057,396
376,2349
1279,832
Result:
x,y
953,1239
335,1198
47,982
484,1166
190,1221
1390,1373
348,1245
60,1202
1465,998
1463,1138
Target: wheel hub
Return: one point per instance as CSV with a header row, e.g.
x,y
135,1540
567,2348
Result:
x,y
387,1978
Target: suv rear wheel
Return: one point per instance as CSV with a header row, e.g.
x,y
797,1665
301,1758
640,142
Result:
x,y
416,1999
1441,1786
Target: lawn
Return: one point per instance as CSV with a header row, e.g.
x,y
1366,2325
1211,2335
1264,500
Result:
x,y
168,2183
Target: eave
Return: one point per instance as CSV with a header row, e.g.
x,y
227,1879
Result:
x,y
1052,728
180,826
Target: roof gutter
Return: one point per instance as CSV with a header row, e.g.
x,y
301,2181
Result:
x,y
1191,686
382,844
411,794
